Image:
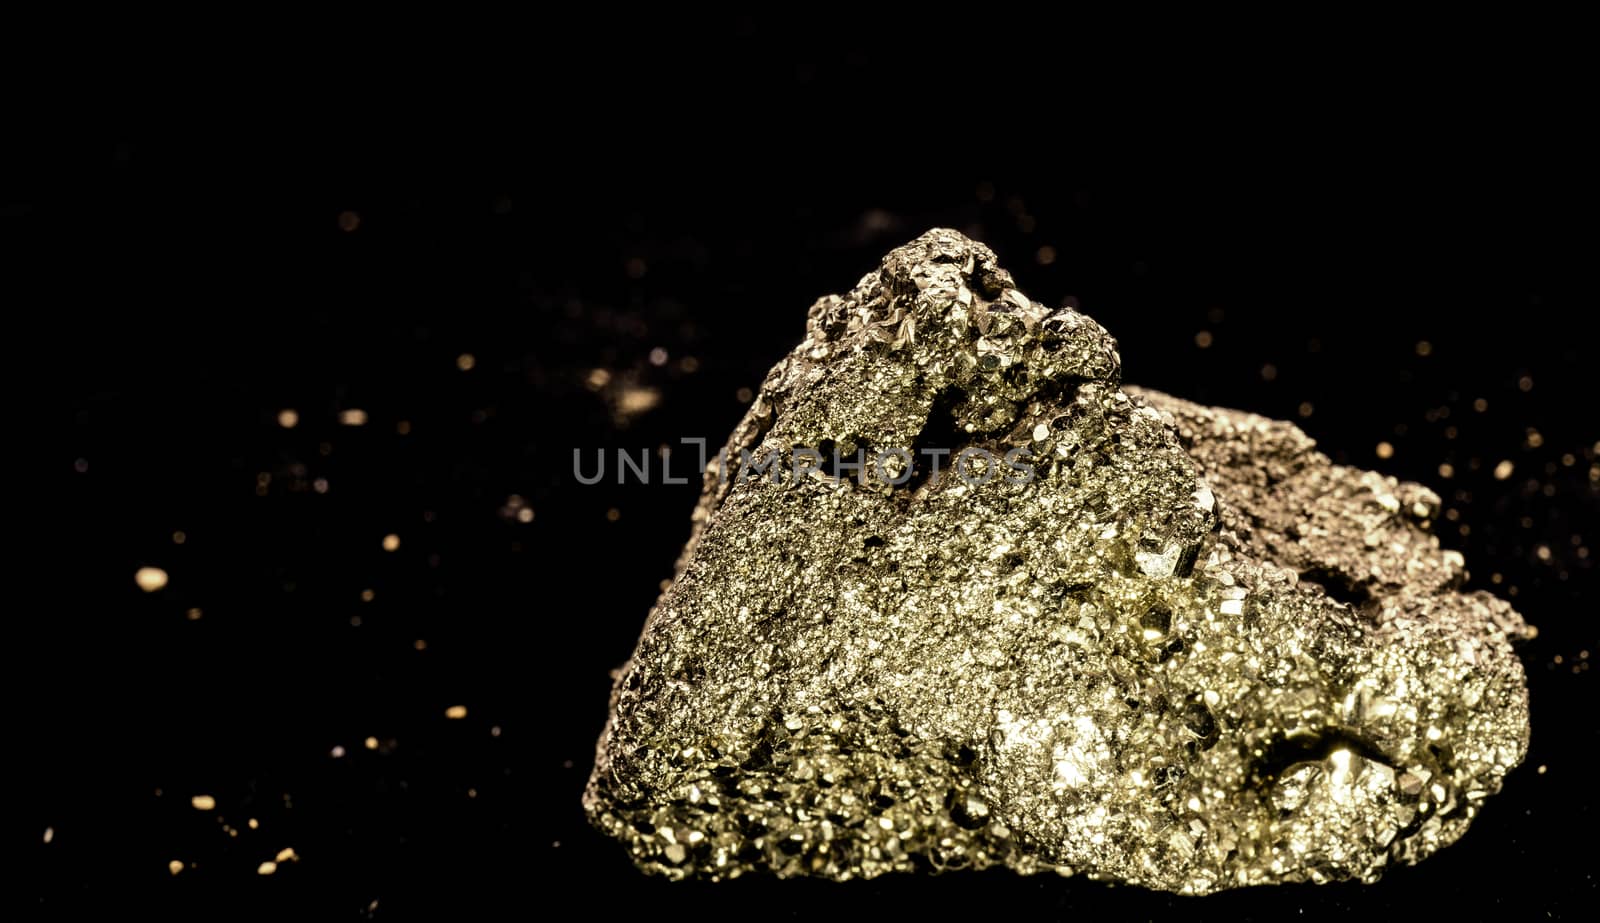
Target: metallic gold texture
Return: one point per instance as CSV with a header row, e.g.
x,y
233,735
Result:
x,y
1189,653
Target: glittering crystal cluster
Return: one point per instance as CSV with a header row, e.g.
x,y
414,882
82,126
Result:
x,y
1188,652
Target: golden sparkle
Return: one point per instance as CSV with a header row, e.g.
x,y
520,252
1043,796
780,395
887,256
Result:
x,y
150,579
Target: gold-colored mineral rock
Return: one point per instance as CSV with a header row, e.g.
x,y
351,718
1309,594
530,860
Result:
x,y
956,599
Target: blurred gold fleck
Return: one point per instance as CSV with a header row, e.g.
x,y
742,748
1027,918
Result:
x,y
1385,450
689,365
466,361
1306,409
150,579
1447,470
1542,552
391,542
1424,348
203,802
367,596
194,614
1543,769
1046,255
175,866
420,644
744,395
253,824
456,712
49,834
288,418
598,378
1525,384
1203,339
403,427
287,854
613,514
320,485
355,416
179,537
266,868
349,221
658,357
1534,439
635,400
1504,470
1480,405
371,743
516,508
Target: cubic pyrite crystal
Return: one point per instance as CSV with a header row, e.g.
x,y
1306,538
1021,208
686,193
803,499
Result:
x,y
1162,644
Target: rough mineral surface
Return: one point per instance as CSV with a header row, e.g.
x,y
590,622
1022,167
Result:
x,y
1189,653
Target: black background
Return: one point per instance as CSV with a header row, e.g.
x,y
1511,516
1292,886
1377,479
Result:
x,y
197,284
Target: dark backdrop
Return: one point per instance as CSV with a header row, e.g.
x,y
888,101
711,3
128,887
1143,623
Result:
x,y
199,286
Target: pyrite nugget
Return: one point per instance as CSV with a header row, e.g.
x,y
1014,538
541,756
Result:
x,y
1161,643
